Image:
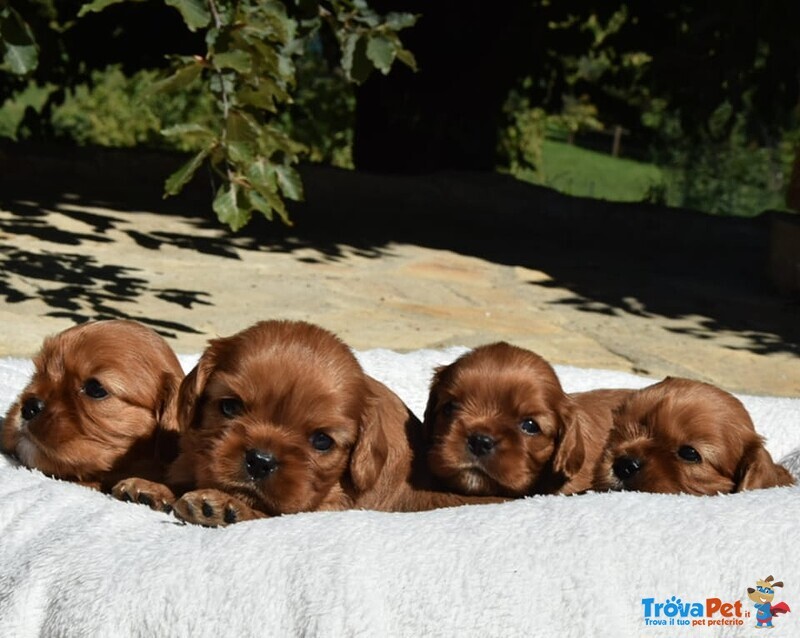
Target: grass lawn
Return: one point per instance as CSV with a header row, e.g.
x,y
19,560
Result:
x,y
577,171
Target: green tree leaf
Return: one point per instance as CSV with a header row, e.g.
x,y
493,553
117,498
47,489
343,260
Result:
x,y
228,207
187,129
195,13
98,5
240,151
238,60
381,51
355,62
263,97
260,204
406,57
398,21
289,181
181,177
17,44
182,78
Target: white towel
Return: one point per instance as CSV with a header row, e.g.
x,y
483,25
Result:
x,y
74,562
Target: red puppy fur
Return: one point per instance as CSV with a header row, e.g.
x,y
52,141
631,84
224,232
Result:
x,y
101,405
680,435
280,418
499,423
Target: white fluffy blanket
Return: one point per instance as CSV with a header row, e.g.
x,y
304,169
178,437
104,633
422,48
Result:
x,y
74,562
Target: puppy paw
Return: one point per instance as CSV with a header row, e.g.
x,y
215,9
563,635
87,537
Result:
x,y
155,495
213,508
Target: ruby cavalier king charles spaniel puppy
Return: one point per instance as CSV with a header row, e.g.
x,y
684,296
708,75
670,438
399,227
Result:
x,y
280,418
685,436
498,423
101,406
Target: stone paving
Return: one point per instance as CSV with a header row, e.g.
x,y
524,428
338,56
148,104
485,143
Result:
x,y
402,263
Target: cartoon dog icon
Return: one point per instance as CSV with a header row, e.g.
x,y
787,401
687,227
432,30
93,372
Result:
x,y
762,596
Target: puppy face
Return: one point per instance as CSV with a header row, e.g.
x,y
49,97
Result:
x,y
497,421
276,415
98,392
686,436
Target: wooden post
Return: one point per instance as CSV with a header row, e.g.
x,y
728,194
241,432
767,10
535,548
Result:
x,y
793,190
617,141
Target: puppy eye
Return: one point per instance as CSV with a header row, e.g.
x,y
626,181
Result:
x,y
529,426
321,441
689,454
94,389
449,407
230,407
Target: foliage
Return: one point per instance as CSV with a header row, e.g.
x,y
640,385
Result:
x,y
248,66
521,137
723,170
18,51
711,89
322,113
115,110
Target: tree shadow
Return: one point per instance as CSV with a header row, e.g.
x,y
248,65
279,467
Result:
x,y
613,258
77,287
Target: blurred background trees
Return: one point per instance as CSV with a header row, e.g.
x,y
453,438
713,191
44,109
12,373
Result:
x,y
690,104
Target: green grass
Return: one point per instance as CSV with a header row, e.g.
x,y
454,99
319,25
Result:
x,y
718,185
577,171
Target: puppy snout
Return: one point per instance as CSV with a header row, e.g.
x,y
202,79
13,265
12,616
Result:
x,y
259,463
626,466
31,407
480,444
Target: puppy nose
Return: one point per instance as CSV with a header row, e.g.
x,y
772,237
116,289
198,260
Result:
x,y
260,464
480,444
626,466
31,407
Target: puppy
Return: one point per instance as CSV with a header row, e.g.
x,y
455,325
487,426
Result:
x,y
498,423
101,405
280,418
680,435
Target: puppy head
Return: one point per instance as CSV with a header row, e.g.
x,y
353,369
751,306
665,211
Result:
x,y
497,421
280,414
686,436
99,390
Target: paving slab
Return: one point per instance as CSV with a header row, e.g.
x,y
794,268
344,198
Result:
x,y
402,262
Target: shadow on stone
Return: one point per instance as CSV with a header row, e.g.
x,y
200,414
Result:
x,y
613,258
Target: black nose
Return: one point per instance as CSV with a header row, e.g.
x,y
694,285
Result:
x,y
260,464
31,408
480,444
626,466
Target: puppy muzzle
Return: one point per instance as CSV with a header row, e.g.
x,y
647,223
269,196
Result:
x,y
625,467
260,464
480,444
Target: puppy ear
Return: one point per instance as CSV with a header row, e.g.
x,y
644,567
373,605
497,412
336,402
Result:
x,y
757,470
371,448
9,426
430,409
193,385
570,450
167,411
